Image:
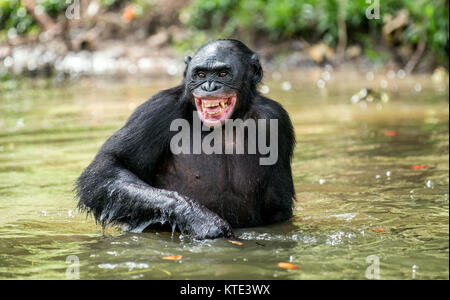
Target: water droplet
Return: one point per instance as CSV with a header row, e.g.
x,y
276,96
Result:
x,y
286,86
132,69
8,62
320,83
391,74
265,89
401,74
172,70
107,266
326,75
417,87
276,75
328,68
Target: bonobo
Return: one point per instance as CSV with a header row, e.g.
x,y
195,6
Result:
x,y
136,181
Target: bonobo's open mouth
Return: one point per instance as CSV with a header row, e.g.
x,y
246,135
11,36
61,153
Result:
x,y
214,110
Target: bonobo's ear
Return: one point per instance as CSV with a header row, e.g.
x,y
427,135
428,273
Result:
x,y
187,60
256,69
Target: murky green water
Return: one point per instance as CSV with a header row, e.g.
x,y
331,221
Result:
x,y
358,193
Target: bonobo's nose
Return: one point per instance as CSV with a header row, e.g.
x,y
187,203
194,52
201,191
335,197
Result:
x,y
211,86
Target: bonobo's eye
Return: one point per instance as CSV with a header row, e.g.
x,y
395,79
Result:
x,y
223,74
201,74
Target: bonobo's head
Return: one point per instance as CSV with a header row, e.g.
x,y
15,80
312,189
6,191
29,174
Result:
x,y
221,79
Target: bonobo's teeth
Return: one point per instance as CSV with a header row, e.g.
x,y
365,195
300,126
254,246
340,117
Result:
x,y
215,112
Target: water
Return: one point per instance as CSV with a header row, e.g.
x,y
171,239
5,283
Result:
x,y
372,182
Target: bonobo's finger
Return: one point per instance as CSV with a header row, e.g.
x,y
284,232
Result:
x,y
212,230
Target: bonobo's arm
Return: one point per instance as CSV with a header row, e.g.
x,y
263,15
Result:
x,y
112,189
280,192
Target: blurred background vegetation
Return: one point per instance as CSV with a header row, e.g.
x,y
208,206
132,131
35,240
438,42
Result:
x,y
410,34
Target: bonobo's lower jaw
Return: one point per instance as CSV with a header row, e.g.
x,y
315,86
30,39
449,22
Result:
x,y
214,109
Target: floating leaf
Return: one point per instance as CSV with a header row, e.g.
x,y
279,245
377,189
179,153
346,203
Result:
x,y
390,133
288,266
419,167
235,242
175,257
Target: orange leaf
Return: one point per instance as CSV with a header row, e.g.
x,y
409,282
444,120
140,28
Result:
x,y
288,266
235,242
390,133
418,167
175,257
379,230
128,14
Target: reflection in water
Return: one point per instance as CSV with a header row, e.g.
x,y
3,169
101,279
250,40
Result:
x,y
370,180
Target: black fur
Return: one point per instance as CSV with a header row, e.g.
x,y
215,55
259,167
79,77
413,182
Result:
x,y
136,181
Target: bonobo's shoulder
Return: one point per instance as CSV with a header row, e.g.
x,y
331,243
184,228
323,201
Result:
x,y
266,108
164,97
158,104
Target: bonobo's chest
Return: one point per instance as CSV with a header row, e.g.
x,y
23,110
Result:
x,y
225,183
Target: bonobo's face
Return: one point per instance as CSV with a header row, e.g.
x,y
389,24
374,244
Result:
x,y
214,77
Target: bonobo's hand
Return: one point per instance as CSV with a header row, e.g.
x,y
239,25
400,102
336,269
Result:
x,y
208,225
197,220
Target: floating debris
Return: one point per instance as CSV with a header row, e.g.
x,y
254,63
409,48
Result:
x,y
390,133
370,96
175,257
419,167
287,266
107,266
235,242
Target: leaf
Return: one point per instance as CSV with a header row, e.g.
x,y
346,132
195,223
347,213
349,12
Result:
x,y
288,266
175,257
235,242
379,230
129,13
390,133
419,167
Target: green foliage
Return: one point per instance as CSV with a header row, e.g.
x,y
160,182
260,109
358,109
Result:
x,y
14,15
317,20
15,18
